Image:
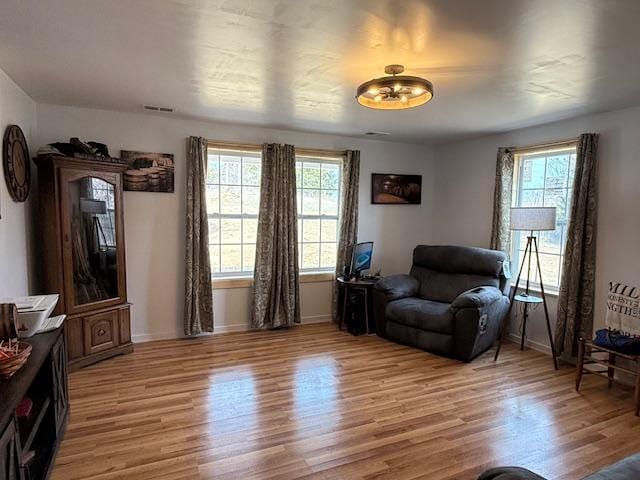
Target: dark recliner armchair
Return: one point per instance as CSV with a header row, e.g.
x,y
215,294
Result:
x,y
452,303
626,469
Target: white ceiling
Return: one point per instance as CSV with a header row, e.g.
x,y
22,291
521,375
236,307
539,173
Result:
x,y
495,64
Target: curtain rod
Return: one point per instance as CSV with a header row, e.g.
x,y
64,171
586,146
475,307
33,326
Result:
x,y
312,152
546,146
320,152
234,145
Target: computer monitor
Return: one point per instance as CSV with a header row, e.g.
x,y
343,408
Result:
x,y
361,258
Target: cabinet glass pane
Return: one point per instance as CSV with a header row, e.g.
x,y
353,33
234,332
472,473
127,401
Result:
x,y
93,240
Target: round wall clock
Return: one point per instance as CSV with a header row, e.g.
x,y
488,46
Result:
x,y
17,166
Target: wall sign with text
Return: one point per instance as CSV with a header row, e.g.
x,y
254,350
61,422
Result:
x,y
623,308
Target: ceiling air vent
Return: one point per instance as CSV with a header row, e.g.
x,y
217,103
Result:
x,y
153,108
377,134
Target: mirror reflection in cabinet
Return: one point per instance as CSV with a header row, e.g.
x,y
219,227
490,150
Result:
x,y
93,240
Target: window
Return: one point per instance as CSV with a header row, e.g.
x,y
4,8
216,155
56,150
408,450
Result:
x,y
544,179
103,191
233,200
318,203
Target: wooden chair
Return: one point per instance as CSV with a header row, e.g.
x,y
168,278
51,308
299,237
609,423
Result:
x,y
585,357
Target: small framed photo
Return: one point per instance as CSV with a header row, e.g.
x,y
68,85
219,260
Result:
x,y
393,189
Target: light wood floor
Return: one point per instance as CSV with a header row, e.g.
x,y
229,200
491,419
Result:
x,y
317,403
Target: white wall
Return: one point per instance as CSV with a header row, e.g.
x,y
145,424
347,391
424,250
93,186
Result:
x,y
154,222
465,183
16,108
457,202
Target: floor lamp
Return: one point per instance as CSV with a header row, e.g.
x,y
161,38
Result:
x,y
530,219
92,208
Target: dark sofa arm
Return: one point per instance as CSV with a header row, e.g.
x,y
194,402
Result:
x,y
478,314
477,297
509,473
388,289
395,287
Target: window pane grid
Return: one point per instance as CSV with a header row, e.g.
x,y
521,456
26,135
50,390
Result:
x,y
233,176
233,186
317,243
544,179
318,180
103,193
241,220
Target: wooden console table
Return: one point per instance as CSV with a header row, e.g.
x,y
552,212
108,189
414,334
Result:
x,y
28,445
585,357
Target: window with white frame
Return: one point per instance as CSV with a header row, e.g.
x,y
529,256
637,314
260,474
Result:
x,y
544,179
318,201
233,200
103,191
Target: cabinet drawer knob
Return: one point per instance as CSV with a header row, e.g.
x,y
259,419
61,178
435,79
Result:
x,y
101,332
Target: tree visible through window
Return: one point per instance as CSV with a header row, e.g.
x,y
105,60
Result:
x,y
233,200
318,203
101,190
544,179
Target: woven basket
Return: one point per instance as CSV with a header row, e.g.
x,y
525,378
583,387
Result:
x,y
9,366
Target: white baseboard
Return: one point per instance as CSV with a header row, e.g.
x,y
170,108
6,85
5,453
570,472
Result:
x,y
150,337
237,327
242,327
316,319
540,347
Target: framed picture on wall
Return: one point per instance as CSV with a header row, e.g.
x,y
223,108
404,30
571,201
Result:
x,y
148,172
394,189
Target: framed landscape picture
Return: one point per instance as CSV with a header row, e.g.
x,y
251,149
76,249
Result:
x,y
392,189
148,172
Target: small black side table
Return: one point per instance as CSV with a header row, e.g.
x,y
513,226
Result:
x,y
365,285
526,300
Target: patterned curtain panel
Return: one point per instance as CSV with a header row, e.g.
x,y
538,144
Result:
x,y
575,301
500,233
348,217
198,308
276,286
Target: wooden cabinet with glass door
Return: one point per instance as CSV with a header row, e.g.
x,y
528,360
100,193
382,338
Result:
x,y
82,256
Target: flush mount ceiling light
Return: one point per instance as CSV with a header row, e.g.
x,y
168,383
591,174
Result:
x,y
395,92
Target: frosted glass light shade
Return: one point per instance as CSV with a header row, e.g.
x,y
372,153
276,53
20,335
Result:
x,y
533,218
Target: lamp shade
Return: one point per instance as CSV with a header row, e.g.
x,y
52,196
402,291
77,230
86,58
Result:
x,y
533,218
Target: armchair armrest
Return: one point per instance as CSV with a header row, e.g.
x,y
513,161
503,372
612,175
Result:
x,y
477,297
512,473
505,278
395,287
